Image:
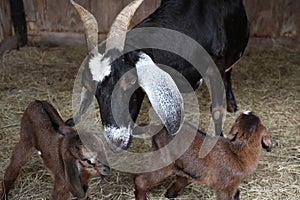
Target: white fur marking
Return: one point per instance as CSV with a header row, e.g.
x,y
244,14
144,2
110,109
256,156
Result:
x,y
117,138
247,112
99,67
39,153
200,81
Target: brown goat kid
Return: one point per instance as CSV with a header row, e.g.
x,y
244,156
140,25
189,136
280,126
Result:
x,y
70,163
223,168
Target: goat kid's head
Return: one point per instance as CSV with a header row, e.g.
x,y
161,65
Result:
x,y
89,153
247,124
119,82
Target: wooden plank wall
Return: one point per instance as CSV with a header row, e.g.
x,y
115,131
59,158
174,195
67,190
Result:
x,y
56,21
7,39
274,18
5,20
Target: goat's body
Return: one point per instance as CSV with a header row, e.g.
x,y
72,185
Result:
x,y
43,130
211,23
230,159
223,168
221,27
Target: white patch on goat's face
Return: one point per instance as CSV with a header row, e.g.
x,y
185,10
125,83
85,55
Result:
x,y
117,138
100,67
247,112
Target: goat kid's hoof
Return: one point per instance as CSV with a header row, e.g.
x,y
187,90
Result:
x,y
3,195
237,195
171,196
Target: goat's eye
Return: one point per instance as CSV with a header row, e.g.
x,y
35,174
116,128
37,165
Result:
x,y
133,81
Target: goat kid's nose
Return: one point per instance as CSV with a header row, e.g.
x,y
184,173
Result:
x,y
269,149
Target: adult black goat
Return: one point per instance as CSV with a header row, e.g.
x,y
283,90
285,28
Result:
x,y
221,27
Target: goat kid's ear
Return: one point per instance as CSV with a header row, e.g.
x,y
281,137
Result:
x,y
162,92
72,176
237,136
233,132
266,140
65,130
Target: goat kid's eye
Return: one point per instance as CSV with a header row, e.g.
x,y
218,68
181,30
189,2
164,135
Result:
x,y
91,163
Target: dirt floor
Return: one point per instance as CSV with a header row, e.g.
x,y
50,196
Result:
x,y
266,81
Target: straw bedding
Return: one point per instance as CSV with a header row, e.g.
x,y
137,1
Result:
x,y
266,80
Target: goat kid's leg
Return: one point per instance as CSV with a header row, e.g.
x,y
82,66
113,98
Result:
x,y
85,177
237,195
20,155
147,180
3,193
228,194
179,184
60,191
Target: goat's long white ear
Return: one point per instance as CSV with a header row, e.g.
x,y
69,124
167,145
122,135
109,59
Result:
x,y
72,176
162,92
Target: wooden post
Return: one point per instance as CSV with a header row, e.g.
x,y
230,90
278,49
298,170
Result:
x,y
18,18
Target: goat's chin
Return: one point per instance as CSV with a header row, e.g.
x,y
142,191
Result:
x,y
118,139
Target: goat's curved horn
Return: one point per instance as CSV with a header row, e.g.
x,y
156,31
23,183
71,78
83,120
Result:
x,y
90,28
117,34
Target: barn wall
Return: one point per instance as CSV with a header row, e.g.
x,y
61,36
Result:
x,y
5,22
274,18
56,21
7,39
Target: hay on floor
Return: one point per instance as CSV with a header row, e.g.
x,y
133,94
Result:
x,y
266,80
